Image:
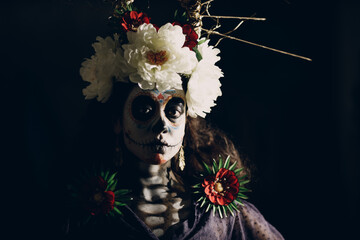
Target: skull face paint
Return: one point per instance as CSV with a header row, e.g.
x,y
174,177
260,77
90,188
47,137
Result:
x,y
154,124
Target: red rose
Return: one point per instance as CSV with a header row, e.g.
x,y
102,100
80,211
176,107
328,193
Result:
x,y
223,188
132,20
191,36
96,200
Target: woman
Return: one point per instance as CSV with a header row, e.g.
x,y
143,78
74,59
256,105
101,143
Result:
x,y
166,81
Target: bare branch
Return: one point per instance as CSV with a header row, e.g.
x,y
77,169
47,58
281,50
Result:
x,y
255,44
233,17
240,23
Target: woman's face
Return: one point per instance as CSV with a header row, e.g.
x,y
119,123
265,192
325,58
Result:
x,y
154,124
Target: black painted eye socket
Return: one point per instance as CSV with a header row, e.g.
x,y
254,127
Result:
x,y
143,108
174,108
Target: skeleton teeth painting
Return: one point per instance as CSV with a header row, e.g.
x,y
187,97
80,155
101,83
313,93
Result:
x,y
154,124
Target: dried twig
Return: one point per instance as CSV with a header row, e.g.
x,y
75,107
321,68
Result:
x,y
233,17
240,23
198,10
255,44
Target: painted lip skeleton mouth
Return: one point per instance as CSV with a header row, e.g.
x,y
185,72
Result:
x,y
156,144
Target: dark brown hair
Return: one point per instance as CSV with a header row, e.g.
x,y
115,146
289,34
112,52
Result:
x,y
205,143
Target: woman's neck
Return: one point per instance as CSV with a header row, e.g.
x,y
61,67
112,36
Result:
x,y
161,201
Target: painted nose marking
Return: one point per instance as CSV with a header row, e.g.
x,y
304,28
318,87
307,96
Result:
x,y
160,126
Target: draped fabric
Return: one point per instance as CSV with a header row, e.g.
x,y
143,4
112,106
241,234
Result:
x,y
247,224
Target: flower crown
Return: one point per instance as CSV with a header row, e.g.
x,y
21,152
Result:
x,y
154,58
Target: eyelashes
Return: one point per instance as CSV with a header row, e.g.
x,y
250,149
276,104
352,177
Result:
x,y
174,108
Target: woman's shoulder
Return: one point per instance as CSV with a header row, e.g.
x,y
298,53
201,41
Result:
x,y
255,224
247,223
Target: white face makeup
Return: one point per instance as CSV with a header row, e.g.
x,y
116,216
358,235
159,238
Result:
x,y
154,124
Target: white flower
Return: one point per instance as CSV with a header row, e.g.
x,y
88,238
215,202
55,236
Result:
x,y
204,85
155,59
101,68
158,57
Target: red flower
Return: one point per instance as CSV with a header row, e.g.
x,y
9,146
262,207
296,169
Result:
x,y
190,34
223,188
132,20
96,200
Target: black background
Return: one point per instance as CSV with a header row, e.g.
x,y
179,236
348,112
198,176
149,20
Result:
x,y
297,120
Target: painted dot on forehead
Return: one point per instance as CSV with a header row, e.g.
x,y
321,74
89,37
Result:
x,y
162,98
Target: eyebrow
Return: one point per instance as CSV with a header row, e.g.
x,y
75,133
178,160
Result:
x,y
170,91
177,99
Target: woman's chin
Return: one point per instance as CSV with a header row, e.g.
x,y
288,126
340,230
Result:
x,y
156,159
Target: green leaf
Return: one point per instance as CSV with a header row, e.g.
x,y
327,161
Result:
x,y
214,210
200,199
123,199
201,41
121,192
118,11
234,207
208,207
111,177
207,168
227,162
242,189
113,185
220,162
176,13
203,202
239,202
117,211
120,204
237,171
224,210
180,17
232,166
197,192
242,196
230,210
197,185
111,182
242,177
198,54
244,182
215,167
106,175
219,210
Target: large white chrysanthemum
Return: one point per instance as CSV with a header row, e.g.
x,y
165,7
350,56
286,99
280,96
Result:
x,y
204,85
158,57
101,68
154,59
